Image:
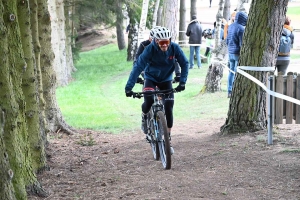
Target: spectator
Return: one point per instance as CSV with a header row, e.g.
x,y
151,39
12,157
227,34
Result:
x,y
210,3
286,43
223,21
228,24
194,32
127,28
208,36
234,43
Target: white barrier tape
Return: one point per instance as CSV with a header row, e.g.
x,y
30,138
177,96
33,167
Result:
x,y
275,94
269,69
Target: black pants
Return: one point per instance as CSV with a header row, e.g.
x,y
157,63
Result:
x,y
282,65
168,99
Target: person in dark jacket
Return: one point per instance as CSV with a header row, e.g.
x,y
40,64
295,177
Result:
x,y
157,62
194,32
140,50
234,42
283,60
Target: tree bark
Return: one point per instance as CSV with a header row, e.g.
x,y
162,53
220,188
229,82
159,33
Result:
x,y
170,17
193,9
63,65
226,11
155,12
215,70
247,107
182,24
119,25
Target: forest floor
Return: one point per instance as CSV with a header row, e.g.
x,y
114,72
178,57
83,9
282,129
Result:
x,y
206,165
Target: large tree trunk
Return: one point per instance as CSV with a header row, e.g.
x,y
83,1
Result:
x,y
16,138
247,108
132,35
182,25
215,70
170,17
63,65
226,11
54,119
160,16
119,25
193,10
155,12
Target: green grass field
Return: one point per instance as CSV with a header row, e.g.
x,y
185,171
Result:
x,y
96,98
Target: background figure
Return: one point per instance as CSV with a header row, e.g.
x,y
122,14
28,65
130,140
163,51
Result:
x,y
127,28
234,43
221,30
194,32
210,3
208,36
232,17
286,43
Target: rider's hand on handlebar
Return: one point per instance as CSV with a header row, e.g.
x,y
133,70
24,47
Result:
x,y
128,93
180,87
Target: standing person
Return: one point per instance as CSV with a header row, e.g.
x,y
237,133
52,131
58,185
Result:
x,y
234,42
157,61
286,43
210,3
194,32
232,17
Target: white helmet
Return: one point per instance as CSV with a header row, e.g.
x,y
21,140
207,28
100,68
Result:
x,y
162,33
152,31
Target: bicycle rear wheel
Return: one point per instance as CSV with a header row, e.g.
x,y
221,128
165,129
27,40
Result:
x,y
153,141
163,140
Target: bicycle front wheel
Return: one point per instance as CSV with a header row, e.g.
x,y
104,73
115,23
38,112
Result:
x,y
163,140
153,141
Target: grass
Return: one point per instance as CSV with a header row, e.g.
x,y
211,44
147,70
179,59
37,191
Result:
x,y
96,99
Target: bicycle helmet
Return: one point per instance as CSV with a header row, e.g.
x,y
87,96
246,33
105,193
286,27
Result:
x,y
152,31
162,33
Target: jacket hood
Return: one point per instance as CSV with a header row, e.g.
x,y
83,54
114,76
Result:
x,y
286,32
241,18
194,21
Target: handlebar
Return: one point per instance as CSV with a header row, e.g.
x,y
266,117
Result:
x,y
141,94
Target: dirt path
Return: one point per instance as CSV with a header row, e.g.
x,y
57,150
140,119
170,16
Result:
x,y
205,165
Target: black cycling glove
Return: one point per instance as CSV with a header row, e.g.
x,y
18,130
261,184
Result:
x,y
128,93
177,78
180,87
140,80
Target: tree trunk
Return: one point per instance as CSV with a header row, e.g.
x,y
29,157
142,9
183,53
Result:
x,y
247,107
243,5
16,137
215,70
170,17
63,66
53,116
159,16
193,9
226,12
119,25
182,25
132,35
155,12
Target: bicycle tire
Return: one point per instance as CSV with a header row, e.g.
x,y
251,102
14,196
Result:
x,y
163,140
153,142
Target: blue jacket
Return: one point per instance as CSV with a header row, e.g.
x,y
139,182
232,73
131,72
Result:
x,y
235,33
157,65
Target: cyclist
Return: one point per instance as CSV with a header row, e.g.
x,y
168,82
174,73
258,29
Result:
x,y
140,50
157,62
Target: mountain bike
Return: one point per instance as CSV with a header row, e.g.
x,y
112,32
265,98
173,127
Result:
x,y
157,131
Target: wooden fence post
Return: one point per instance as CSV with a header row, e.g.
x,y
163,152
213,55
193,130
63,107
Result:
x,y
278,101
